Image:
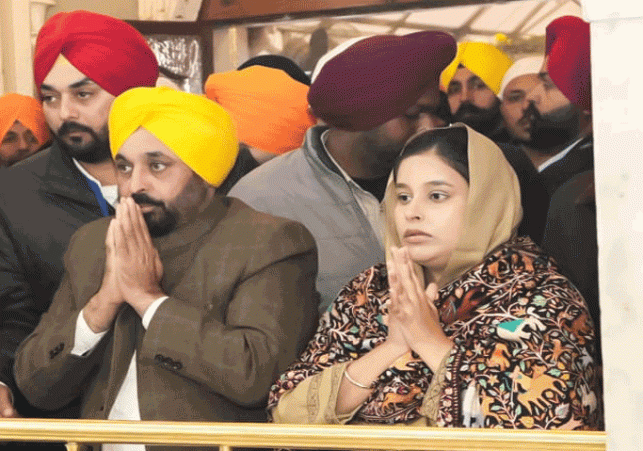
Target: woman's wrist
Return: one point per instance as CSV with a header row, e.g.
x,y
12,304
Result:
x,y
432,353
393,349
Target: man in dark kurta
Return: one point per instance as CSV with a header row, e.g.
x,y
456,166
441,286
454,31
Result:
x,y
185,305
559,107
47,197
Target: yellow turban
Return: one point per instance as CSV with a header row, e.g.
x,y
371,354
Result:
x,y
484,60
269,108
198,131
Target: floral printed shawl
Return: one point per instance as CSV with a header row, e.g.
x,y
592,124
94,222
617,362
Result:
x,y
523,354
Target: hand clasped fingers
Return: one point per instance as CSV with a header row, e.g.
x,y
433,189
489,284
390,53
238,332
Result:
x,y
408,279
432,295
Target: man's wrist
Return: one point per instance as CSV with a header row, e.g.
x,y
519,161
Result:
x,y
142,301
99,313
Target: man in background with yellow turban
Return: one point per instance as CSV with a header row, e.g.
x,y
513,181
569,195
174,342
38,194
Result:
x,y
23,130
472,82
82,61
186,305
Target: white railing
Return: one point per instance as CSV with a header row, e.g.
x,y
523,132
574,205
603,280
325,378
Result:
x,y
261,435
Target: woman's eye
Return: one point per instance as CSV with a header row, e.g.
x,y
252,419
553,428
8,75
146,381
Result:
x,y
437,196
403,197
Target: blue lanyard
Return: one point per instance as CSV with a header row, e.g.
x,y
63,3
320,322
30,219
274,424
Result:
x,y
99,197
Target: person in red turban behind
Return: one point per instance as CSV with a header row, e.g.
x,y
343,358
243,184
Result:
x,y
558,108
563,102
23,130
82,61
371,96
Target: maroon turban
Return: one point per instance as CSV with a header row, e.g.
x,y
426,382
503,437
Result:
x,y
567,46
109,51
379,78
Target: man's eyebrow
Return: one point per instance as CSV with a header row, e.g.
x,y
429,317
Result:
x,y
85,81
156,154
474,79
544,76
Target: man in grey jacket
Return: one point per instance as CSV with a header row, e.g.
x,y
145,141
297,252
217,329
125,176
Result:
x,y
372,97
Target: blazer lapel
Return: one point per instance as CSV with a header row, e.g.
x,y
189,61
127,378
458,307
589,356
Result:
x,y
126,326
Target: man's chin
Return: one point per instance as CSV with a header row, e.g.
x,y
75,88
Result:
x,y
521,136
159,224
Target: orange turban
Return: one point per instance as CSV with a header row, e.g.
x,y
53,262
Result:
x,y
26,110
269,108
109,51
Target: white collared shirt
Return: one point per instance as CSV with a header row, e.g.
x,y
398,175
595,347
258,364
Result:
x,y
559,156
126,403
109,192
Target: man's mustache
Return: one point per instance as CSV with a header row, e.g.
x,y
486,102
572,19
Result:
x,y
530,115
70,127
468,109
144,199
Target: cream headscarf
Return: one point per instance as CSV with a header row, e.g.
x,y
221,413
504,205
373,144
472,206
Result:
x,y
493,209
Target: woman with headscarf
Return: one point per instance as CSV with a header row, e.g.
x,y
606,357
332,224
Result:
x,y
466,325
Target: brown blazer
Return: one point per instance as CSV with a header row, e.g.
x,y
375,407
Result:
x,y
242,306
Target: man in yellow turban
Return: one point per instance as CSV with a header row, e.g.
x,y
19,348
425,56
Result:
x,y
472,82
186,305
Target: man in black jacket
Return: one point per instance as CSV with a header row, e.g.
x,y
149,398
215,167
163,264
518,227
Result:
x,y
79,67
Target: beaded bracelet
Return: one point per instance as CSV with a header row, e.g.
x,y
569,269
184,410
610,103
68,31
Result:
x,y
353,381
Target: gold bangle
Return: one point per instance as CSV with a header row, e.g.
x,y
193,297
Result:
x,y
353,381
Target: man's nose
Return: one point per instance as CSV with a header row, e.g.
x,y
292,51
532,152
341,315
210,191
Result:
x,y
23,144
533,96
68,109
137,182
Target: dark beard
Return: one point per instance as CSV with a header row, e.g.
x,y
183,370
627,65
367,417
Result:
x,y
552,130
483,120
96,151
159,223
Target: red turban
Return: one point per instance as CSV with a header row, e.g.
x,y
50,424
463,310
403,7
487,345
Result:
x,y
27,111
378,78
567,45
109,51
